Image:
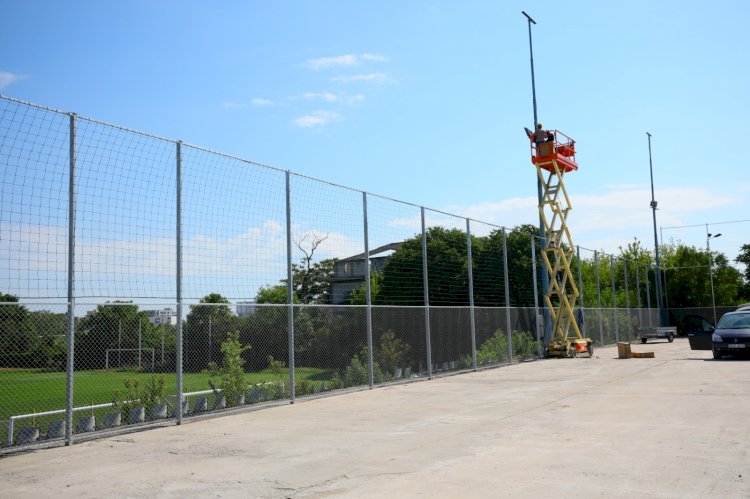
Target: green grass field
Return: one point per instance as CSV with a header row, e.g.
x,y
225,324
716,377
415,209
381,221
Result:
x,y
29,391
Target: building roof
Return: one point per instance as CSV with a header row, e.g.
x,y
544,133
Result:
x,y
381,249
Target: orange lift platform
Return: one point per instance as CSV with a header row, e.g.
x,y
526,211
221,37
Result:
x,y
561,150
553,159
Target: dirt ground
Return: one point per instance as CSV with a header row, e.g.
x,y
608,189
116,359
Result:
x,y
672,426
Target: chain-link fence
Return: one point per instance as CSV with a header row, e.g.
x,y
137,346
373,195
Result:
x,y
143,280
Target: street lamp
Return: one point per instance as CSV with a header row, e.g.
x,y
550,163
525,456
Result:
x,y
542,231
710,236
657,274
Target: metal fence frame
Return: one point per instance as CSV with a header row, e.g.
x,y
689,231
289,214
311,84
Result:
x,y
432,314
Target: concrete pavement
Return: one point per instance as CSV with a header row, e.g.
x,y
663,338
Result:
x,y
672,426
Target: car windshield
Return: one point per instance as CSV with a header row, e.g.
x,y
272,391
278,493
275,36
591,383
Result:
x,y
734,321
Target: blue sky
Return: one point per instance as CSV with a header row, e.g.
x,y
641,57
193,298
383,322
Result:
x,y
425,101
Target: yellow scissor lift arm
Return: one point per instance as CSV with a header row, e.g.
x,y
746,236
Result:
x,y
553,159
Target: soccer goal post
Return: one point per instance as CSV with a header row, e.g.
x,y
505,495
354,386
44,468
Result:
x,y
127,357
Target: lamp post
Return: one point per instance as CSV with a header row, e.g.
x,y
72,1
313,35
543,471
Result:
x,y
657,273
710,236
542,231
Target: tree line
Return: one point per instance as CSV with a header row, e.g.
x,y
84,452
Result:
x,y
326,337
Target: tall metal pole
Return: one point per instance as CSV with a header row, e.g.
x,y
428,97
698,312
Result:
x,y
540,352
539,190
599,298
580,289
638,288
657,276
368,294
614,296
71,283
509,333
531,53
648,297
290,287
627,297
179,331
425,284
472,319
710,269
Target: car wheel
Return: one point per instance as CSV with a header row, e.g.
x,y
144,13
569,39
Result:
x,y
644,340
590,348
717,354
670,338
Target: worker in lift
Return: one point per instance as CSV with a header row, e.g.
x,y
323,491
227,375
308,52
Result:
x,y
539,137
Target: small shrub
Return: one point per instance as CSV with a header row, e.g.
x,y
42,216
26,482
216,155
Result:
x,y
524,345
276,366
336,383
231,373
148,396
392,353
304,387
357,374
494,349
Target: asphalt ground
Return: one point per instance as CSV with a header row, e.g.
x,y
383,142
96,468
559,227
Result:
x,y
677,425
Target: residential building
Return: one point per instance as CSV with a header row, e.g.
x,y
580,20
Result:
x,y
164,316
349,273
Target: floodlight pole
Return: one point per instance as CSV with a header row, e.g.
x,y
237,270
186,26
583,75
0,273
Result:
x,y
710,236
542,231
657,273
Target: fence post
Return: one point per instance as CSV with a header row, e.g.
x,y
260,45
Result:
x,y
290,287
71,283
638,289
425,282
536,299
179,332
627,298
471,295
648,298
614,297
580,290
599,298
368,294
507,296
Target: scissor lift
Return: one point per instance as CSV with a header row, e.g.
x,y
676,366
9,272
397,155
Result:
x,y
553,159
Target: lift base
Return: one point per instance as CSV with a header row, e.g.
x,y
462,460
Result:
x,y
571,348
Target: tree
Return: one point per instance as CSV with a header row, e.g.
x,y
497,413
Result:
x,y
50,332
206,327
312,280
274,295
359,297
17,345
447,265
744,259
688,283
112,325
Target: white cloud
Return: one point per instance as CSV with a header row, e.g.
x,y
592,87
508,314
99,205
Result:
x,y
259,102
324,96
339,61
233,105
7,78
374,57
600,221
317,119
370,77
355,99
